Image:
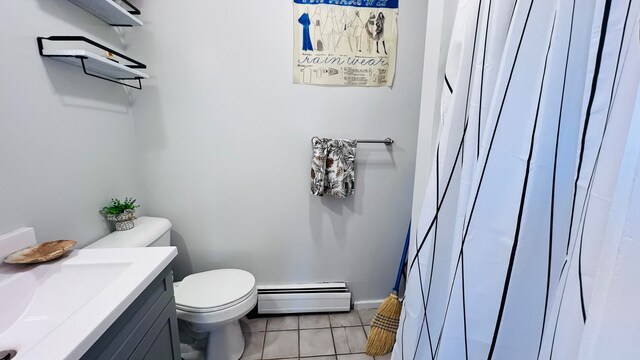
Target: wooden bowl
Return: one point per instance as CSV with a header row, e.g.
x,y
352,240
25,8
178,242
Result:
x,y
44,252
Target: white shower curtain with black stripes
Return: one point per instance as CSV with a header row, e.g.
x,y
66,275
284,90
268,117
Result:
x,y
528,245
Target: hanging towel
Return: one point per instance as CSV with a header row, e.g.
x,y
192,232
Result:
x,y
333,167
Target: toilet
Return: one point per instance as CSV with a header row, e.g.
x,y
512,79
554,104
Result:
x,y
209,304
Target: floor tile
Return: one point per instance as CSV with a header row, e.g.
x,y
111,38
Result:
x,y
349,340
253,325
367,329
314,321
253,346
355,357
340,341
282,323
345,319
315,342
332,357
366,315
356,338
189,352
384,357
280,345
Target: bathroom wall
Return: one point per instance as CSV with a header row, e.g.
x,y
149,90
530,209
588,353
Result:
x,y
224,139
67,141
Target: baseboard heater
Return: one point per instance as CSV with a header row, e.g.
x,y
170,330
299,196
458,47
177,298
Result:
x,y
304,298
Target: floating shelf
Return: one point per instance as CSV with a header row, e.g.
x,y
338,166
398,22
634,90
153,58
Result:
x,y
110,12
93,64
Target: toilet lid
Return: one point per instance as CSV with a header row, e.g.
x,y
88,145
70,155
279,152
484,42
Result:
x,y
214,290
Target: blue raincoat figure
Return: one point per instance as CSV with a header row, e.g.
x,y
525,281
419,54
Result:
x,y
306,38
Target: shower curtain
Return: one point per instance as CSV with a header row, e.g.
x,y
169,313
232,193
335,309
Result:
x,y
528,245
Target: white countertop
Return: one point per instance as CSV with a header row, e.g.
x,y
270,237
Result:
x,y
57,310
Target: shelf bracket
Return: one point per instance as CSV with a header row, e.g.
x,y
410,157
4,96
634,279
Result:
x,y
139,87
134,10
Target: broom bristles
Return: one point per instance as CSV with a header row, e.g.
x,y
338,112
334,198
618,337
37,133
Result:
x,y
384,326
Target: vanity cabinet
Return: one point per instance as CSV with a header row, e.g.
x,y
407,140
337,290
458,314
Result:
x,y
148,329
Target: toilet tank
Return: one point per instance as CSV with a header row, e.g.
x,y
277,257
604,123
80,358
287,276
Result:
x,y
148,231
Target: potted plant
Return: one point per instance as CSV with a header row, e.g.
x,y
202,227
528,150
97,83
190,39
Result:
x,y
121,212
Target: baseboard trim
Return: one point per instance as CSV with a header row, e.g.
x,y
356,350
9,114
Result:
x,y
367,304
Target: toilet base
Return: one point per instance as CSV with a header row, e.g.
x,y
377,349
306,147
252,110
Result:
x,y
226,342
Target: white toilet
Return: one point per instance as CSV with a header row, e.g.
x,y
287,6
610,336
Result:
x,y
209,304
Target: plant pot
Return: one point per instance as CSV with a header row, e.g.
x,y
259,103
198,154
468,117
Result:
x,y
123,221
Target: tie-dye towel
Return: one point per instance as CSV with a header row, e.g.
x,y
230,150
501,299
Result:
x,y
333,167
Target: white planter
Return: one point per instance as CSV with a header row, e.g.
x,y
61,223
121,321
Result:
x,y
123,221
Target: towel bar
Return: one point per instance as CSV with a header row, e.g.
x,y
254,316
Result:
x,y
387,141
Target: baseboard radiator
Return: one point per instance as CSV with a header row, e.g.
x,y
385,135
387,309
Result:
x,y
304,298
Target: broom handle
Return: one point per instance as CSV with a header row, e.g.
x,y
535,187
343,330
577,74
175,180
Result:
x,y
404,255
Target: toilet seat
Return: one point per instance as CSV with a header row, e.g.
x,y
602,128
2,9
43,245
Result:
x,y
214,308
216,296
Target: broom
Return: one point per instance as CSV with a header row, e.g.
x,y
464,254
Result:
x,y
385,322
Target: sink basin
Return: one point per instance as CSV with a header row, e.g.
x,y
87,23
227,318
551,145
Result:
x,y
45,296
59,309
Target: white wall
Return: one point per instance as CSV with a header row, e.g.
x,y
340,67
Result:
x,y
225,137
67,141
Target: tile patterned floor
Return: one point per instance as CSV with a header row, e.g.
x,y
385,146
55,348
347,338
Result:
x,y
341,336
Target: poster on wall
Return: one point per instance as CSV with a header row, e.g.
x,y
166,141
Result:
x,y
345,42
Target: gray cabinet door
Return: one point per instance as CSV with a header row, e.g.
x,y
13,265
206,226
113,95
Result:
x,y
148,326
160,342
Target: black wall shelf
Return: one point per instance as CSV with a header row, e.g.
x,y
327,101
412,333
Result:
x,y
96,65
110,12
